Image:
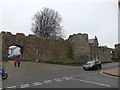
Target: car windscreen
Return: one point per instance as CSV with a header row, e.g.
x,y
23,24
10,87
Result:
x,y
90,63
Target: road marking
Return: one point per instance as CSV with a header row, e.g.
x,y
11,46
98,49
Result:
x,y
78,75
48,81
25,85
91,82
58,79
74,76
36,83
66,78
61,79
12,87
71,76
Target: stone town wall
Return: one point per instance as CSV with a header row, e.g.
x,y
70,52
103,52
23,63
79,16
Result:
x,y
76,47
105,53
94,52
80,49
117,51
101,53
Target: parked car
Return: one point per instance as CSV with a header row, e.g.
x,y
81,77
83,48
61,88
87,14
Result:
x,y
92,65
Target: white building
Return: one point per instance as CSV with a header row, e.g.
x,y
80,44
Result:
x,y
13,51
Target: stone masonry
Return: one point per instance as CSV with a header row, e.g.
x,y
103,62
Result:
x,y
76,47
117,51
100,52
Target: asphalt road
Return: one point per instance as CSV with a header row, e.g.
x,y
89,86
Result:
x,y
40,75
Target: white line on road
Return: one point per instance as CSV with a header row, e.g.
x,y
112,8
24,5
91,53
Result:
x,y
48,81
66,78
91,82
83,74
58,79
12,87
25,85
36,83
74,76
61,79
78,75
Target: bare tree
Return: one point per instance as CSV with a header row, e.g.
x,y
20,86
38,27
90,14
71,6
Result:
x,y
47,23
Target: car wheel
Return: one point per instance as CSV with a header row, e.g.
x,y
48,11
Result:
x,y
93,68
84,68
100,67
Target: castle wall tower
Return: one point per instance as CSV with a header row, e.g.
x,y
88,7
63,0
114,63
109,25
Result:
x,y
80,47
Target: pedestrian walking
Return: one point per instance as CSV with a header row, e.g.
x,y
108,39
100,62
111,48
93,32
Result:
x,y
19,60
15,62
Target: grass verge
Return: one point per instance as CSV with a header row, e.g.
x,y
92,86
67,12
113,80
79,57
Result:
x,y
63,61
106,61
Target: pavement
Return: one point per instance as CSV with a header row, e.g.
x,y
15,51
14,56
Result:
x,y
112,72
11,69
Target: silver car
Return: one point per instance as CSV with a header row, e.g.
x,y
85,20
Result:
x,y
92,65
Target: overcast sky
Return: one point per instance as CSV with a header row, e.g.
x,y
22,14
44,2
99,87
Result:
x,y
94,17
